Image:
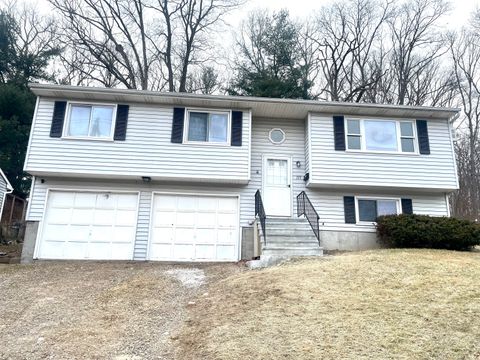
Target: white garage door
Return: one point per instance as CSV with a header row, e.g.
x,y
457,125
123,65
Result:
x,y
87,225
194,228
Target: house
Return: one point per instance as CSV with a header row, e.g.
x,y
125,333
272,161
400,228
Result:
x,y
128,174
5,188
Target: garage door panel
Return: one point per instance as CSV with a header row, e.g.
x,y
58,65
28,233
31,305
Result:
x,y
82,216
54,249
165,218
207,219
96,227
101,233
186,203
206,236
85,200
55,232
183,251
227,204
204,251
127,202
168,203
121,251
194,228
184,235
125,217
226,251
207,204
123,234
226,236
162,234
61,199
186,218
104,217
99,251
59,216
75,250
227,220
77,233
161,251
105,201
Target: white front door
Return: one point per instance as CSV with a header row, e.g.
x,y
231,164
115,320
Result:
x,y
277,192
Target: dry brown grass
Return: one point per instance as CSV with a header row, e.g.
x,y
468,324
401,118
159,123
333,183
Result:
x,y
401,304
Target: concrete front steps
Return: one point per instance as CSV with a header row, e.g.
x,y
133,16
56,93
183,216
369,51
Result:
x,y
287,238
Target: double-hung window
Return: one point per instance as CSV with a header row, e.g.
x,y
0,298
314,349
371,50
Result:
x,y
380,135
370,209
90,121
208,127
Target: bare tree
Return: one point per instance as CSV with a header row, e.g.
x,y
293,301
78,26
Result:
x,y
417,43
142,43
348,34
205,81
465,52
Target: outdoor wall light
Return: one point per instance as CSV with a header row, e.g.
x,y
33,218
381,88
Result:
x,y
146,179
298,163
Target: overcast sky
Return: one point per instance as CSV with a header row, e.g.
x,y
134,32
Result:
x,y
461,9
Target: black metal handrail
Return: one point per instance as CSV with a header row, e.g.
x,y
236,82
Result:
x,y
305,207
260,212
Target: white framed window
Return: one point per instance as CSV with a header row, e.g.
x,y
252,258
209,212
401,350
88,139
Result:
x,y
381,135
208,127
276,136
90,121
354,136
369,209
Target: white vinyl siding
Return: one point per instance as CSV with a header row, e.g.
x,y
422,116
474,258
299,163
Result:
x,y
293,146
371,170
330,208
3,190
147,151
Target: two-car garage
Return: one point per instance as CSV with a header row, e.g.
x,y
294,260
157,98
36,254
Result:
x,y
103,225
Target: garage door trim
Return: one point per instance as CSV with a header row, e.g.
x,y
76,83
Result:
x,y
90,190
189,193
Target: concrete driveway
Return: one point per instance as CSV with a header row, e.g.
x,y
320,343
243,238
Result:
x,y
100,310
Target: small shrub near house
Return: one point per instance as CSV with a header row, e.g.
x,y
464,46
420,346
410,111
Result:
x,y
421,231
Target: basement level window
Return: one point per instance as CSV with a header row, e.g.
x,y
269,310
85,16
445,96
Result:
x,y
370,209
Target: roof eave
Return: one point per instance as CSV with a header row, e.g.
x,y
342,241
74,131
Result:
x,y
298,108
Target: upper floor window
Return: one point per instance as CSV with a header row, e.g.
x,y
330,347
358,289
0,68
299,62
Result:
x,y
380,135
207,127
90,121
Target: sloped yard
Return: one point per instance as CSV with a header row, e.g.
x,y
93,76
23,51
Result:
x,y
95,310
387,304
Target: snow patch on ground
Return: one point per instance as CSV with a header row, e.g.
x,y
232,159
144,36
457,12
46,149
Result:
x,y
191,278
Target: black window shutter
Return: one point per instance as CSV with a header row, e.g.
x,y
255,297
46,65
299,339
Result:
x,y
407,207
121,123
58,117
422,133
339,132
177,125
349,208
237,124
